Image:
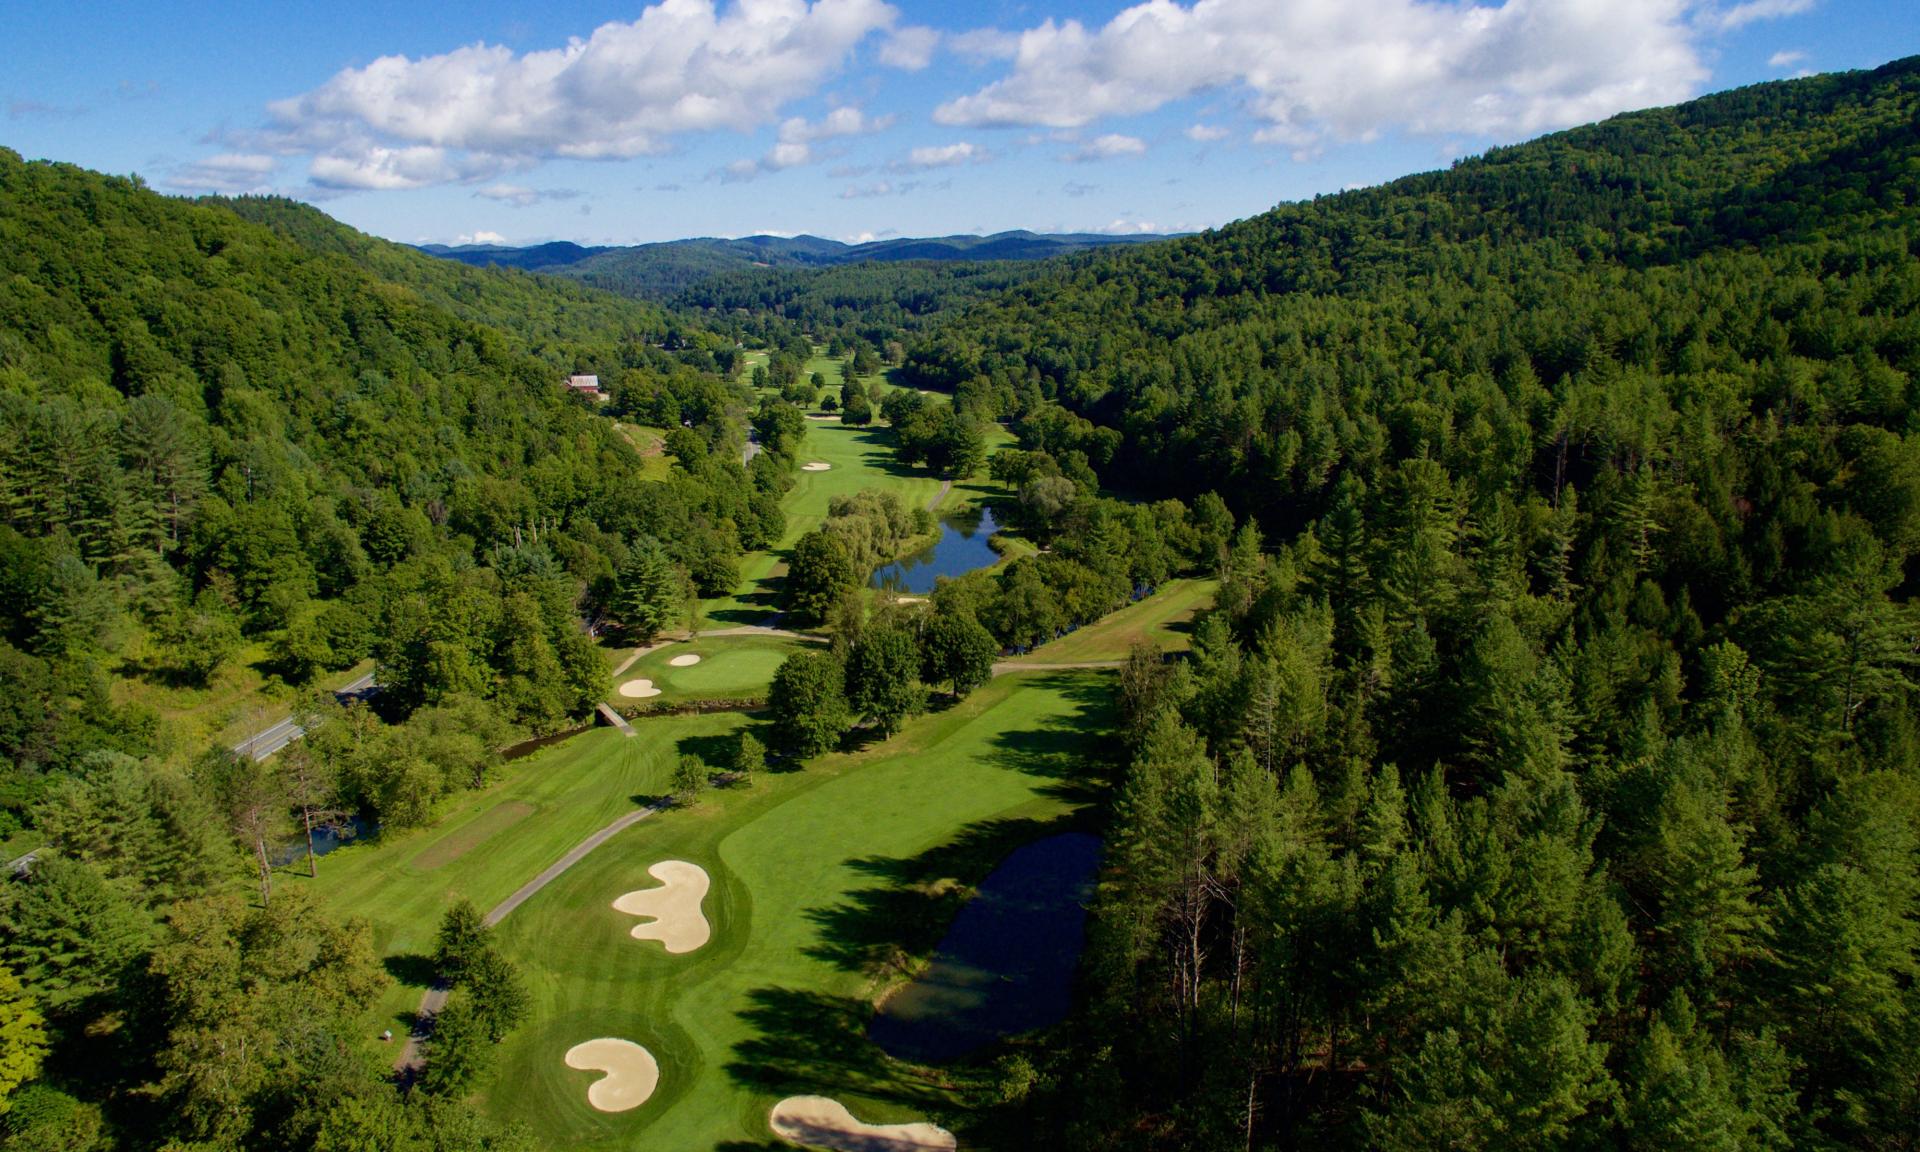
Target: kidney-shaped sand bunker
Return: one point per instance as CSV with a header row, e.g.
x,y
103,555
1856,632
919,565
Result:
x,y
631,1072
677,920
823,1122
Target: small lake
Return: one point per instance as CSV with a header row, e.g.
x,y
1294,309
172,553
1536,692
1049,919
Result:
x,y
962,547
326,839
1006,966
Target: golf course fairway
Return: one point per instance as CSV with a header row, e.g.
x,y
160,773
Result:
x,y
820,877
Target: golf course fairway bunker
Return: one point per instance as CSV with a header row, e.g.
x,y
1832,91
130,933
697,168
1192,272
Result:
x,y
823,1122
816,466
677,921
638,689
631,1072
685,661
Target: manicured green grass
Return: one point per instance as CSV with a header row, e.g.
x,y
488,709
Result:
x,y
1160,619
730,668
820,877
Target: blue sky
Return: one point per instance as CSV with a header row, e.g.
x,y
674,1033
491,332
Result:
x,y
624,123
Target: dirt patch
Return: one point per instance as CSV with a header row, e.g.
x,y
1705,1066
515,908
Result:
x,y
638,689
631,1072
822,1122
674,907
460,841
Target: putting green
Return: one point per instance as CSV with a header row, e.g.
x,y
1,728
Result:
x,y
817,876
730,667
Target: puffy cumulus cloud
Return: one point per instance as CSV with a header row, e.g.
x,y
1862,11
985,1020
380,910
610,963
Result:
x,y
481,237
909,49
1351,69
793,145
1207,133
1107,147
230,174
1786,59
626,90
943,155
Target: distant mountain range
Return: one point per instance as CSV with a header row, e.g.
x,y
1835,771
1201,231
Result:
x,y
658,270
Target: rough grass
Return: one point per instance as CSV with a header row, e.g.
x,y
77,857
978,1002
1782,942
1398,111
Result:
x,y
238,700
825,880
1162,619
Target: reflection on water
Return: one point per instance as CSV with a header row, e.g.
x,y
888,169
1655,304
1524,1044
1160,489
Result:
x,y
326,838
1006,966
962,547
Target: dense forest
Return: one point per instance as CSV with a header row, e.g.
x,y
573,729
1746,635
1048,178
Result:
x,y
1548,774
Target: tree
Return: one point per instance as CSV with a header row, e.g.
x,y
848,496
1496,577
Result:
x,y
956,649
498,995
689,777
313,787
882,677
23,1037
819,573
253,796
72,937
461,941
649,590
1681,1091
458,1049
749,756
808,702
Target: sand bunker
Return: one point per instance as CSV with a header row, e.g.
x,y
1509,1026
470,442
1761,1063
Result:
x,y
638,689
821,1122
677,921
687,661
631,1072
816,466
909,599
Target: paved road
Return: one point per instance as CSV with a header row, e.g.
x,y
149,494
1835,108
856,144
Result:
x,y
435,998
274,737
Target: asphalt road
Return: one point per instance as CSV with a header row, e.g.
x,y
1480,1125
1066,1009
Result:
x,y
274,737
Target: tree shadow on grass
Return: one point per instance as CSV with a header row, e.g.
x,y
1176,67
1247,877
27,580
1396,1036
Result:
x,y
714,751
410,969
810,1043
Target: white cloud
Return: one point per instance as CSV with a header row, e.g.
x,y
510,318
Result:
x,y
1207,133
481,237
523,197
626,90
793,145
983,44
1354,68
1752,11
909,49
1788,59
229,174
944,155
1107,147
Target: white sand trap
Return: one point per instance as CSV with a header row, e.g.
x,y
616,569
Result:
x,y
638,689
822,1122
687,661
631,1072
677,920
816,466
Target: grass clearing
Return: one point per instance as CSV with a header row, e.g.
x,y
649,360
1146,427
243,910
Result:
x,y
1162,619
823,881
459,842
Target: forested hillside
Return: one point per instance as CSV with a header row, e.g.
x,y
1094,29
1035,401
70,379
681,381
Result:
x,y
1548,775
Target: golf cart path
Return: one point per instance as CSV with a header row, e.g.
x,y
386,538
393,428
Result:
x,y
435,998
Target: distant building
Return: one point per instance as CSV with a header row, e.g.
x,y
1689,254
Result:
x,y
589,385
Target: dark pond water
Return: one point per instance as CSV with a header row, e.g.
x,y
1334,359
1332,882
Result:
x,y
962,547
1006,966
326,840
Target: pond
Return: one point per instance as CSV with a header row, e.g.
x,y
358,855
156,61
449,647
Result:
x,y
962,547
1006,966
326,839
